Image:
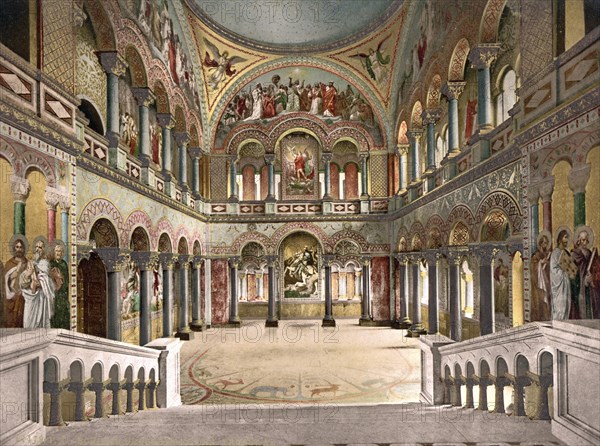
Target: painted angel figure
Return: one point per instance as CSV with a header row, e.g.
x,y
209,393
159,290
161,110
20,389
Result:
x,y
375,63
220,65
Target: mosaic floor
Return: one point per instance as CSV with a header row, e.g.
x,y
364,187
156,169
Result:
x,y
300,362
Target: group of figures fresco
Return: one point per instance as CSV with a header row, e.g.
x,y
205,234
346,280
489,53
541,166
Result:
x,y
565,282
323,99
155,21
35,290
130,290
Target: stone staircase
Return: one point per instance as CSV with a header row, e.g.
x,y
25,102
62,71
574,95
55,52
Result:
x,y
412,423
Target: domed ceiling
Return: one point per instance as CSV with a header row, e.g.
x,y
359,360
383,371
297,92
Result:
x,y
294,27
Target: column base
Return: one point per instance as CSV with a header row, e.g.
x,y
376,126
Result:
x,y
328,323
401,324
198,326
372,323
185,335
232,324
415,331
271,324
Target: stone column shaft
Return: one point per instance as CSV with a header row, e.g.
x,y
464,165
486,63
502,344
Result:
x,y
234,317
328,320
455,304
272,316
434,317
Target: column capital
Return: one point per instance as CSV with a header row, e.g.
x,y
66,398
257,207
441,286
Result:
x,y
165,120
168,259
401,258
484,54
112,62
484,254
269,158
579,177
197,262
20,188
402,149
143,96
327,156
114,259
365,260
546,188
184,260
414,134
431,116
364,155
79,16
52,196
195,152
64,201
454,255
431,257
145,260
182,138
453,90
235,262
271,260
327,260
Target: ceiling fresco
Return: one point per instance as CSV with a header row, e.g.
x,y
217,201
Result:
x,y
294,27
236,50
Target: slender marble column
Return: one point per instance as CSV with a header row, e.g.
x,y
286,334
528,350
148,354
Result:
x,y
183,139
416,328
364,175
405,321
114,66
457,382
167,261
20,189
499,384
141,387
144,98
64,204
234,264
78,388
52,199
328,320
233,192
430,118
366,291
486,301
432,275
128,387
454,293
578,180
197,322
403,166
146,262
518,384
327,162
453,90
414,137
482,56
195,154
166,121
270,160
272,316
113,261
184,332
115,388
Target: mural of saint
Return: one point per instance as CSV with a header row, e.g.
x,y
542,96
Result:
x,y
501,288
60,270
541,295
375,62
301,271
14,302
130,290
299,154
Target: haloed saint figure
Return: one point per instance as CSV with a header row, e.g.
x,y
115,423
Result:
x,y
301,269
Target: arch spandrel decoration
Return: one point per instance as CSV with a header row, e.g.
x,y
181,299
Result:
x,y
506,203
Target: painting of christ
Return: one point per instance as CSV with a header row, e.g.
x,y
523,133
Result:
x,y
299,159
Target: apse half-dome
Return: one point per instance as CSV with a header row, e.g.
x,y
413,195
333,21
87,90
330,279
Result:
x,y
289,27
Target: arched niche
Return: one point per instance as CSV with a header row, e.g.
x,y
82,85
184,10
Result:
x,y
300,255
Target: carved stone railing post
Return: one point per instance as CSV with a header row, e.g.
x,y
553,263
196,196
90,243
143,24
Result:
x,y
483,382
98,389
129,386
55,391
141,387
518,384
499,383
543,383
457,382
115,388
78,388
469,382
152,385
